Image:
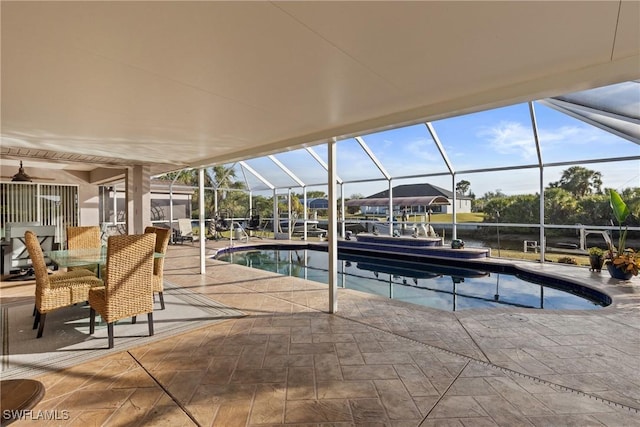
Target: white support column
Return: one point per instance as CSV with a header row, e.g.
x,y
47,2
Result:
x,y
454,211
342,216
542,232
390,208
128,200
332,236
201,219
305,211
290,218
138,198
534,126
115,201
445,158
171,206
276,219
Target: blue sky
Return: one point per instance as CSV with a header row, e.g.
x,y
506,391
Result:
x,y
489,139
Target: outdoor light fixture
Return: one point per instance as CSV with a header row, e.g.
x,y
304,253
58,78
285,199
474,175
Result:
x,y
21,176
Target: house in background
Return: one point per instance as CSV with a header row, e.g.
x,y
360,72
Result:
x,y
164,195
412,199
318,203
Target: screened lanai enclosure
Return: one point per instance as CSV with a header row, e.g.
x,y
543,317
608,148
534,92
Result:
x,y
468,177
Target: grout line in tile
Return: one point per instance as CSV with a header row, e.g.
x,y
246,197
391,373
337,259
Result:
x,y
444,393
165,390
469,358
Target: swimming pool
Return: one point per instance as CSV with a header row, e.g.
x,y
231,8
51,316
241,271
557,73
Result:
x,y
431,285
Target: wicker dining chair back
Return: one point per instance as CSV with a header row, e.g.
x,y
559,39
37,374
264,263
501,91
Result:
x,y
162,243
87,237
128,287
83,237
58,290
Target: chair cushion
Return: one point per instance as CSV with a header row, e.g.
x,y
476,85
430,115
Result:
x,y
65,292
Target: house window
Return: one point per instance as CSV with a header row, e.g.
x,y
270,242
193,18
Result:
x,y
46,204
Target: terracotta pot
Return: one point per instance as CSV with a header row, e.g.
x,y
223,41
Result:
x,y
616,273
596,262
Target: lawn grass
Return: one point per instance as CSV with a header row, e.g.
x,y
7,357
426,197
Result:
x,y
448,218
461,217
531,256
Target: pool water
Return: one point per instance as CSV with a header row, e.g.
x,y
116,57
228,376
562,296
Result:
x,y
430,285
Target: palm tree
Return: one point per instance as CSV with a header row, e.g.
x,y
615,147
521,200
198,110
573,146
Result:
x,y
219,176
580,181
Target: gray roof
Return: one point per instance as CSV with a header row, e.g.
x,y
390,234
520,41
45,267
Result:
x,y
414,190
400,201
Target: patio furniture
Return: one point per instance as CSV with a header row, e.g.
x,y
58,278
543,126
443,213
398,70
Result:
x,y
84,238
162,242
15,257
221,222
58,290
184,232
254,223
77,257
128,285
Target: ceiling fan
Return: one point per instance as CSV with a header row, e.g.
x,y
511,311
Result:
x,y
22,176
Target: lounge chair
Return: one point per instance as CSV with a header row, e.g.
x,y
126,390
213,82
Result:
x,y
184,232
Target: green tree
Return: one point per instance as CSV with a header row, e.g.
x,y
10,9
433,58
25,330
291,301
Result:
x,y
462,187
579,181
219,176
593,210
316,195
522,208
560,206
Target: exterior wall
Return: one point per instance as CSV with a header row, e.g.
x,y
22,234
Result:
x,y
161,210
88,213
463,206
88,205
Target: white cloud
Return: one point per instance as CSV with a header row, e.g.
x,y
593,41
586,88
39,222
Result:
x,y
421,149
510,138
575,135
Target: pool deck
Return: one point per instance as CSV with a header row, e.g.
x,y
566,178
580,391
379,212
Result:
x,y
376,362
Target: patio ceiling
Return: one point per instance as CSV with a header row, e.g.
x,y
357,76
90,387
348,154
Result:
x,y
188,84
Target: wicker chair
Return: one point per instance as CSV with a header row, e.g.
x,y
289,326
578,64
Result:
x,y
162,242
84,238
128,287
56,290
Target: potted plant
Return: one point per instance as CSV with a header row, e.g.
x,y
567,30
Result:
x,y
596,258
621,262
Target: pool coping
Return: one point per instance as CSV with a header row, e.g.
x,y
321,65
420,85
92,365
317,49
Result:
x,y
622,294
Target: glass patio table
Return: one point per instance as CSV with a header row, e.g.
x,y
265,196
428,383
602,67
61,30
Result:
x,y
82,257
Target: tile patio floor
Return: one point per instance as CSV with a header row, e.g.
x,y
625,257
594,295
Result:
x,y
375,363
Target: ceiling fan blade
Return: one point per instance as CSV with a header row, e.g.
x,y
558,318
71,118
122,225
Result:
x,y
34,178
